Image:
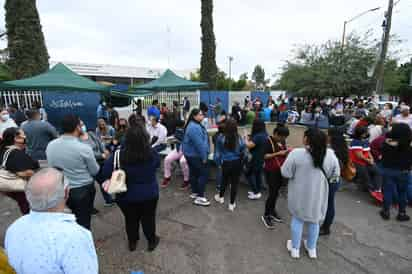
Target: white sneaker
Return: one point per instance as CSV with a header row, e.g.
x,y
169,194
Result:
x,y
232,206
255,196
201,201
311,252
220,200
294,252
250,193
193,195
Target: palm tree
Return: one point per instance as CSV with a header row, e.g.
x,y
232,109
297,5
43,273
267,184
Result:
x,y
208,67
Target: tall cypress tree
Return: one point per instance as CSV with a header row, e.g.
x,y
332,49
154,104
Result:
x,y
208,67
28,54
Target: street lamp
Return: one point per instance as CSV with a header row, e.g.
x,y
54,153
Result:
x,y
230,71
352,19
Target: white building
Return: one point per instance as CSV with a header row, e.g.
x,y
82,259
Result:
x,y
119,74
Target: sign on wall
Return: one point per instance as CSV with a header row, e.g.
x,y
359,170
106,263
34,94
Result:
x,y
84,104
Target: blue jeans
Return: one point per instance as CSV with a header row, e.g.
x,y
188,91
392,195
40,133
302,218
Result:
x,y
296,227
219,177
395,181
330,213
198,175
255,180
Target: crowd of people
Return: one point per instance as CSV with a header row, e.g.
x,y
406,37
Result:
x,y
372,145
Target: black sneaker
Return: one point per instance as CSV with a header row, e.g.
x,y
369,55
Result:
x,y
402,217
152,246
95,211
276,218
385,214
324,232
132,246
267,221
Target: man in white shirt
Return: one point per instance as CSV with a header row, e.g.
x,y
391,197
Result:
x,y
405,116
158,134
48,240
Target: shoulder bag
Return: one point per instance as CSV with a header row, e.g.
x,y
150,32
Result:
x,y
117,183
10,182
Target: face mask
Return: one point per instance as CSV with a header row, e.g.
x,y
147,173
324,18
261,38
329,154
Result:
x,y
5,117
104,104
84,128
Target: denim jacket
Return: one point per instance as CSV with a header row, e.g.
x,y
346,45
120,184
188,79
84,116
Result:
x,y
196,141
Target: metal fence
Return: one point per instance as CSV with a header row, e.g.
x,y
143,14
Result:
x,y
170,97
24,99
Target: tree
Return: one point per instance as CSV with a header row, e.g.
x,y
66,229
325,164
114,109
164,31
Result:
x,y
28,54
208,67
243,76
259,76
324,70
5,73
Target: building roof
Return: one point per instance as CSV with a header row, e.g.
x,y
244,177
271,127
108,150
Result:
x,y
106,70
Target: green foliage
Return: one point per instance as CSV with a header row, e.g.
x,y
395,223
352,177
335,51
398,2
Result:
x,y
223,82
208,67
259,75
5,74
28,54
398,79
327,69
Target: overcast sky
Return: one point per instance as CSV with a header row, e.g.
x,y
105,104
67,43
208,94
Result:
x,y
134,32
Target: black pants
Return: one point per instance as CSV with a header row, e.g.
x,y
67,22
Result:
x,y
81,202
231,174
274,182
368,177
140,212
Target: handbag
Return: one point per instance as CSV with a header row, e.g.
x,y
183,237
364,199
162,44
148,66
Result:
x,y
10,182
274,163
117,183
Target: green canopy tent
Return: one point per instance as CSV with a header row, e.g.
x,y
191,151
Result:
x,y
170,82
132,94
63,92
59,78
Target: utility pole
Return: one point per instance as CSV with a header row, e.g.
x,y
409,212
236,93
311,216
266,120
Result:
x,y
230,71
380,67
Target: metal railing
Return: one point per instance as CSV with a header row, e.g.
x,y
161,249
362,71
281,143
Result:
x,y
24,99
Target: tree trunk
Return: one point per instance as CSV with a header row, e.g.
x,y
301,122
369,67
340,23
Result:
x,y
208,67
28,54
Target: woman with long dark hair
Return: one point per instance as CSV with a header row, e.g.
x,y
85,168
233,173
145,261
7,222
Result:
x,y
138,204
229,150
256,143
396,164
275,154
196,152
18,162
338,144
309,170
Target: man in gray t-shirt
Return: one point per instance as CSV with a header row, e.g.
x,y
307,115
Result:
x,y
39,134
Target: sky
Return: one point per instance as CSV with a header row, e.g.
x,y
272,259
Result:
x,y
166,33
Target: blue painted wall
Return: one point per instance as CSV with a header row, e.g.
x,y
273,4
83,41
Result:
x,y
209,97
263,95
84,104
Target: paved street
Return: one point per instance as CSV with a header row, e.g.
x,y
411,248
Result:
x,y
215,240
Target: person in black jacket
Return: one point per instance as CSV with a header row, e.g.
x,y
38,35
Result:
x,y
396,165
18,162
138,204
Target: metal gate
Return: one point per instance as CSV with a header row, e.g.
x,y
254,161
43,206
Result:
x,y
23,99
